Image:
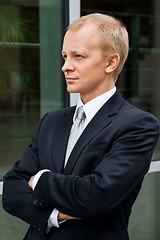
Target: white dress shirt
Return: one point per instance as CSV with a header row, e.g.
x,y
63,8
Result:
x,y
90,109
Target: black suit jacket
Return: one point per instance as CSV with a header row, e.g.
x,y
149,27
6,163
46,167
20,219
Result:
x,y
100,182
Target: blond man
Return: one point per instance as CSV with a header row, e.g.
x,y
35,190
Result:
x,y
84,169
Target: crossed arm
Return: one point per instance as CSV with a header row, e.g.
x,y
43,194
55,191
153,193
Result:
x,y
96,194
61,216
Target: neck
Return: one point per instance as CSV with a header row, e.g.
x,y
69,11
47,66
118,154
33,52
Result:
x,y
86,97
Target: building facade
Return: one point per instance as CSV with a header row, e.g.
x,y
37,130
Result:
x,y
32,83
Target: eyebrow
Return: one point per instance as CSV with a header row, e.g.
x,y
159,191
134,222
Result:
x,y
73,52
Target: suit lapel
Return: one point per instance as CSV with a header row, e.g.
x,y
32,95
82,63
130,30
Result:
x,y
101,120
60,139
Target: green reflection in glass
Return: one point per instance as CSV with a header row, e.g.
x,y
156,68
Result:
x,y
11,227
145,217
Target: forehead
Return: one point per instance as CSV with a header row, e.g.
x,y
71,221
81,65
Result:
x,y
84,37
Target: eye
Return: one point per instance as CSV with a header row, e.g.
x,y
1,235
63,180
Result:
x,y
78,56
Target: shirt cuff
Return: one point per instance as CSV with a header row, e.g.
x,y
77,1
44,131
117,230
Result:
x,y
37,177
53,219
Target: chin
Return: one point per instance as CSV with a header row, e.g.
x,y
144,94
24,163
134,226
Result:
x,y
72,90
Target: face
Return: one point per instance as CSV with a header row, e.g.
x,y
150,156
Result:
x,y
84,64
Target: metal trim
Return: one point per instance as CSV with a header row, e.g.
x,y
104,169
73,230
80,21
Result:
x,y
74,14
1,188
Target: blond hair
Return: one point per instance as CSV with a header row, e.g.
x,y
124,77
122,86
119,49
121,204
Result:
x,y
112,35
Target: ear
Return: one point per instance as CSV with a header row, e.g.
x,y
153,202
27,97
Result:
x,y
112,63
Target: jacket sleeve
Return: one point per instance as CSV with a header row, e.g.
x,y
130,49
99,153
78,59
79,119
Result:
x,y
17,195
119,172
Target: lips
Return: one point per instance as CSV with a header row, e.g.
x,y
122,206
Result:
x,y
70,78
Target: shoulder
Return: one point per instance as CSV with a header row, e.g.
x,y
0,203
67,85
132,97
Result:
x,y
58,113
135,111
136,117
51,118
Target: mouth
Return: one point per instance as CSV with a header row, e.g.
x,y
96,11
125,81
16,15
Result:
x,y
71,79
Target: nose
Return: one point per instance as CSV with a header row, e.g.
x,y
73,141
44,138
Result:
x,y
68,65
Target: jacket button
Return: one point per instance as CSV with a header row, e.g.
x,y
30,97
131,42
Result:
x,y
35,201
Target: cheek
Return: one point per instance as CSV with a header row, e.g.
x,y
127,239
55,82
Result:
x,y
97,72
89,70
98,66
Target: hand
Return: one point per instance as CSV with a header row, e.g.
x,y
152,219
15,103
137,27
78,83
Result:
x,y
30,181
62,217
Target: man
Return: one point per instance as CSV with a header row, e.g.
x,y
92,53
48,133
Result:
x,y
83,171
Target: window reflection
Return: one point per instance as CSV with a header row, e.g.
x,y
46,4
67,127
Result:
x,y
19,77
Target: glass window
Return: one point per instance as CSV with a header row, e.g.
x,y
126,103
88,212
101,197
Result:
x,y
19,78
145,217
31,82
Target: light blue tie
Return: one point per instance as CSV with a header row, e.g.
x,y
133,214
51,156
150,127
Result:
x,y
76,132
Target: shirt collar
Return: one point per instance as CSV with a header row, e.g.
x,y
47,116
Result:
x,y
92,107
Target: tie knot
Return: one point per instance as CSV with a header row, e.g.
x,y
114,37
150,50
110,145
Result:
x,y
80,113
